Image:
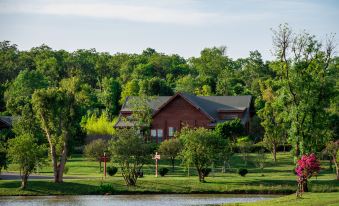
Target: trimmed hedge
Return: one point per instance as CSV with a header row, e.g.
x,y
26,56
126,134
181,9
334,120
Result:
x,y
112,170
242,172
163,171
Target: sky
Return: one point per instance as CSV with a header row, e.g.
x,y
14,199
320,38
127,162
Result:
x,y
183,27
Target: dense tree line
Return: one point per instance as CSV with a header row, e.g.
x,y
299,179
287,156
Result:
x,y
52,93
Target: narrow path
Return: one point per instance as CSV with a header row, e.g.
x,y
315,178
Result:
x,y
16,176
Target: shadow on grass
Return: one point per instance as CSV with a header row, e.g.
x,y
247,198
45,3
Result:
x,y
51,188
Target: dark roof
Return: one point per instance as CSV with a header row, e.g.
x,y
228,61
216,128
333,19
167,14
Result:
x,y
210,105
7,120
154,102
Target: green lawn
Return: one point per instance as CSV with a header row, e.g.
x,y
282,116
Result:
x,y
278,179
308,199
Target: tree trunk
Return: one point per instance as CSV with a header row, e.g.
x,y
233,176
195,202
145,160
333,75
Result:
x,y
55,163
336,167
297,150
173,159
274,153
24,179
201,175
62,164
305,187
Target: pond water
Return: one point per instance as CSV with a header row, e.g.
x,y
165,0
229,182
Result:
x,y
131,200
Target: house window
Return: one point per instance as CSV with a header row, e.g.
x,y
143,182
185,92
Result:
x,y
160,135
153,135
171,131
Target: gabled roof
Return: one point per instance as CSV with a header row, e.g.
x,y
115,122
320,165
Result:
x,y
209,105
154,102
190,100
7,120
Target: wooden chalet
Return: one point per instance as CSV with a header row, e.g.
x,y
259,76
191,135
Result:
x,y
171,113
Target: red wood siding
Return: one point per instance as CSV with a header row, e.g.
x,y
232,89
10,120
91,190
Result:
x,y
177,114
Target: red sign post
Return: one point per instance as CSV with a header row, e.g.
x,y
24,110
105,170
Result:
x,y
104,158
156,157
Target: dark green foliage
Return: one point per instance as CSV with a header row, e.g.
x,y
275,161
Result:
x,y
206,171
242,172
112,170
5,135
131,152
230,129
163,171
104,189
9,61
200,147
110,96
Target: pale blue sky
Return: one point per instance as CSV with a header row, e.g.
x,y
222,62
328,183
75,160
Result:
x,y
183,27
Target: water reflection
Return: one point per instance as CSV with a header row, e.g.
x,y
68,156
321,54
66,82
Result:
x,y
130,200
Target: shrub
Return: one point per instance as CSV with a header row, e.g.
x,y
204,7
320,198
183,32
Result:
x,y
242,172
112,170
307,167
163,171
206,171
104,189
140,174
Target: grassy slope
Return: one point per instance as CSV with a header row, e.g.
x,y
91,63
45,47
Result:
x,y
277,179
308,199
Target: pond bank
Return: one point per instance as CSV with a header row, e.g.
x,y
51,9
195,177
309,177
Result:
x,y
129,200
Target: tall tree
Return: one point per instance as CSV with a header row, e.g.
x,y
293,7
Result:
x,y
272,118
110,96
57,111
9,64
303,72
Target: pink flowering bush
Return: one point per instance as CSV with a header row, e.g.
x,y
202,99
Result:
x,y
307,167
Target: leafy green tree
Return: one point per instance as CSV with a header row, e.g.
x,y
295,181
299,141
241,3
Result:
x,y
186,84
57,109
19,103
130,89
98,125
155,87
210,64
81,64
303,71
9,64
131,152
110,96
272,118
230,129
200,148
332,150
95,150
171,149
25,151
51,64
205,90
19,93
141,116
85,101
